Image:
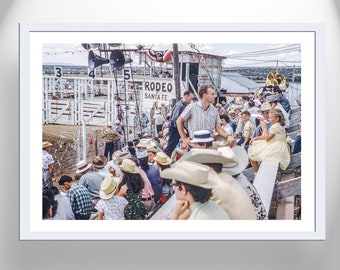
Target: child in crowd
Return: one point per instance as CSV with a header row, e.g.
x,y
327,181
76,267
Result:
x,y
271,146
248,130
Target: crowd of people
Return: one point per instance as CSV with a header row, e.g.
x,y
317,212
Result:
x,y
200,150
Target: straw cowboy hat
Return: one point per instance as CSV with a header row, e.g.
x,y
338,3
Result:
x,y
232,164
191,173
129,166
82,166
109,124
108,187
120,157
46,144
117,122
145,143
265,107
162,158
99,161
202,136
152,149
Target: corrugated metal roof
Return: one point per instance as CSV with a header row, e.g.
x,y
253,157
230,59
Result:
x,y
241,80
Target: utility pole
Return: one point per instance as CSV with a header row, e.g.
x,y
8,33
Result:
x,y
176,71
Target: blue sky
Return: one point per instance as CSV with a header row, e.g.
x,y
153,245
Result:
x,y
237,54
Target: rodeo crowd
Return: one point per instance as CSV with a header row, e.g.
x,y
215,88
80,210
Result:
x,y
198,156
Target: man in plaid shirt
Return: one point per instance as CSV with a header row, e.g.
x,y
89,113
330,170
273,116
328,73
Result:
x,y
79,196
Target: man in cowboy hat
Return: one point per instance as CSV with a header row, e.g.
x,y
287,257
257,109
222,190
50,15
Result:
x,y
47,166
90,179
111,137
79,196
228,193
202,115
193,184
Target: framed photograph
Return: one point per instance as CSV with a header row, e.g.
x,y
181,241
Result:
x,y
73,76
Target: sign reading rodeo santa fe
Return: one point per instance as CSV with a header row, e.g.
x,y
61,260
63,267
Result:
x,y
160,90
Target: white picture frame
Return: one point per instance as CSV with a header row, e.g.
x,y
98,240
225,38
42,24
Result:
x,y
311,227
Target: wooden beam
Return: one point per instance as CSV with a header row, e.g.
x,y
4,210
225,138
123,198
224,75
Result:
x,y
286,189
265,180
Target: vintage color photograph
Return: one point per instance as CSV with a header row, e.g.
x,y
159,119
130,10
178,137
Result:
x,y
163,130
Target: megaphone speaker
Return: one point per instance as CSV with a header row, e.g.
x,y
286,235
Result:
x,y
95,60
117,59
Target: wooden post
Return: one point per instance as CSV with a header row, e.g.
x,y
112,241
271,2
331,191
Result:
x,y
176,72
285,209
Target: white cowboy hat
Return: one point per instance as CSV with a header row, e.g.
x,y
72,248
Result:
x,y
202,136
231,165
129,166
108,187
82,166
145,143
191,173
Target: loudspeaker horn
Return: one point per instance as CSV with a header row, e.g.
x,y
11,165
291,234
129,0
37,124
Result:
x,y
117,59
95,60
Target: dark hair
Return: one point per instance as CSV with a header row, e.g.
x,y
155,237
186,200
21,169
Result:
x,y
277,89
133,181
143,163
225,117
50,194
217,167
46,205
207,144
132,150
204,89
199,194
63,179
55,190
251,103
187,93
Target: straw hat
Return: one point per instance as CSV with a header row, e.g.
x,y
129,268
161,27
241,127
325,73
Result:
x,y
109,124
129,166
191,173
145,143
82,166
117,122
46,144
99,161
232,164
265,107
152,149
202,136
108,187
162,158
